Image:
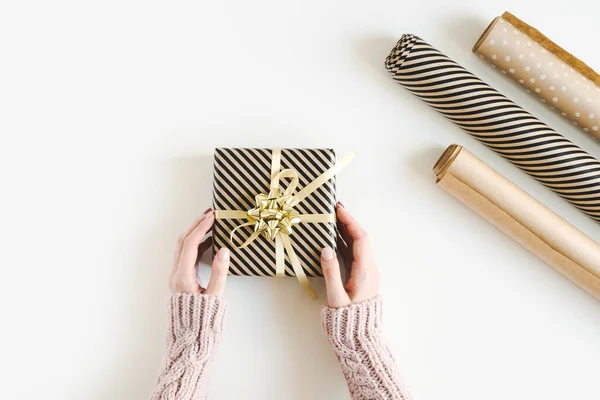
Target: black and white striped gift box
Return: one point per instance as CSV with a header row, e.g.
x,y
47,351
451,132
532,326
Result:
x,y
242,173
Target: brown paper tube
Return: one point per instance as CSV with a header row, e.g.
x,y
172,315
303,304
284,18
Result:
x,y
521,217
544,69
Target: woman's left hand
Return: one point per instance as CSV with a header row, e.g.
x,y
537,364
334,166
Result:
x,y
190,246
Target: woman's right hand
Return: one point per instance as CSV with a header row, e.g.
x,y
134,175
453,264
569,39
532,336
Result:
x,y
353,245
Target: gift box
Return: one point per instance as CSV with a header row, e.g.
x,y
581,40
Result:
x,y
275,209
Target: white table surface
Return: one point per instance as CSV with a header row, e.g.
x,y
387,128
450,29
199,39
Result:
x,y
110,114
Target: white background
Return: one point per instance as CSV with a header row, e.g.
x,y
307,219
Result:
x,y
110,112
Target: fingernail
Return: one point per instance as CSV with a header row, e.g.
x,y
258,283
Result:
x,y
224,254
210,215
327,254
206,211
341,204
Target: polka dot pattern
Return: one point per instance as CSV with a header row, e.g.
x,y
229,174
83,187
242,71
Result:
x,y
543,74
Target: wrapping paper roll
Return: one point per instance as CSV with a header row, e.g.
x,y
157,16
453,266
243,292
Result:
x,y
497,122
560,80
521,217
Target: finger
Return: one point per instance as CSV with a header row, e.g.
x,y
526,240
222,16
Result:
x,y
194,225
218,276
189,230
355,232
189,251
336,294
342,230
181,238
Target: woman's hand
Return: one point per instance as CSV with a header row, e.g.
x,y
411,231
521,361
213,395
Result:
x,y
355,249
190,246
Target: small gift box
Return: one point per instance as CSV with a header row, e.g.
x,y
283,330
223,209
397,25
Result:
x,y
275,209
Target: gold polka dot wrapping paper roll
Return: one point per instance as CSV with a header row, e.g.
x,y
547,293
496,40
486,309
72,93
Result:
x,y
497,122
544,69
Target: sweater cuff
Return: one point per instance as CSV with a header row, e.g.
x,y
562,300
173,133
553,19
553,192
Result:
x,y
196,313
351,324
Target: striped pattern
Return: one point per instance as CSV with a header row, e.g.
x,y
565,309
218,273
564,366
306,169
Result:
x,y
497,122
241,174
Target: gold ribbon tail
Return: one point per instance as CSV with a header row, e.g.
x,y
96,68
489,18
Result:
x,y
279,256
250,239
298,270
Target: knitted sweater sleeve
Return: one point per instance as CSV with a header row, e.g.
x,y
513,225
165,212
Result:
x,y
196,323
355,332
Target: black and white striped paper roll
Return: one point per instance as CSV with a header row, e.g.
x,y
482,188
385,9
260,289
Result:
x,y
497,122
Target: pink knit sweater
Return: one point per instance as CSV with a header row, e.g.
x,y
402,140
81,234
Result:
x,y
355,332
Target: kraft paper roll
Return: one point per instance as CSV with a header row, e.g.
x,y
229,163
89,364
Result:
x,y
520,216
497,122
559,79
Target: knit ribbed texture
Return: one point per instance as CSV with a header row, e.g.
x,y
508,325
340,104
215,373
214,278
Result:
x,y
355,333
195,328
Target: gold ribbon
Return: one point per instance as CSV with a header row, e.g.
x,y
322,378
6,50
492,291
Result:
x,y
274,215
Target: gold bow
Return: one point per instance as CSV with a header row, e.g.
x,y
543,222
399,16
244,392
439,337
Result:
x,y
274,215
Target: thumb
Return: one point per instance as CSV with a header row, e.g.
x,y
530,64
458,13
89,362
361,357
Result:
x,y
336,294
218,275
